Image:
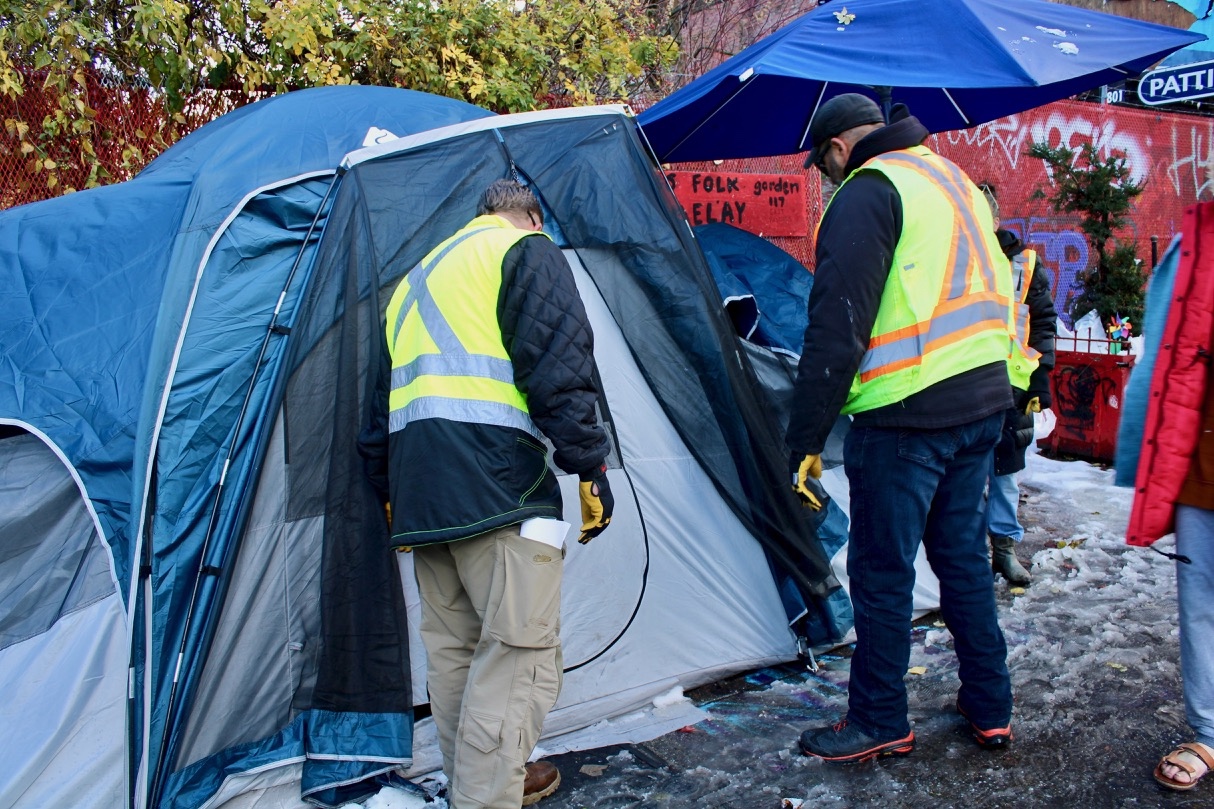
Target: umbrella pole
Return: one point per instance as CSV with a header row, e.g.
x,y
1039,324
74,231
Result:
x,y
885,94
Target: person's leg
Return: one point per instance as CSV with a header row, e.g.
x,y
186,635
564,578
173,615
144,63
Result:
x,y
1003,500
892,476
1005,530
515,673
1189,762
1195,592
955,541
450,629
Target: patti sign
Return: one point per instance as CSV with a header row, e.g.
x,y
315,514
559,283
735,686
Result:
x,y
1183,83
764,204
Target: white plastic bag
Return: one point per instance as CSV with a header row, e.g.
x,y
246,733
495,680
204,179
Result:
x,y
1089,336
1043,425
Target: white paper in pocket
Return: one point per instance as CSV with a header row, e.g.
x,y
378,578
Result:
x,y
544,529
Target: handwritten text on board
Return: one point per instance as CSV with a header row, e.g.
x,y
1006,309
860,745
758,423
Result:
x,y
765,204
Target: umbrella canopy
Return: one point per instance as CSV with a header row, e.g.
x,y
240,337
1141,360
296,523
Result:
x,y
955,63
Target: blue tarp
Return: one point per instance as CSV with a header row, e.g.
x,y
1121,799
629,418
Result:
x,y
747,267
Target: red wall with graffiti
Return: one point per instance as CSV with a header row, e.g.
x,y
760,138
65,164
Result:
x,y
1166,151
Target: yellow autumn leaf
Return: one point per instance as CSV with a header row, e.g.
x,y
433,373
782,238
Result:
x,y
917,670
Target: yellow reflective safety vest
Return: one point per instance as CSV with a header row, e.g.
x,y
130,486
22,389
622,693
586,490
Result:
x,y
448,360
1025,358
946,306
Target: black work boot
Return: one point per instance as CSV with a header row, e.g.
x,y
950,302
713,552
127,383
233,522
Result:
x,y
1005,563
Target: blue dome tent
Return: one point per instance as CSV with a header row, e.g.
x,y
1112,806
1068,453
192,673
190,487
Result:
x,y
142,330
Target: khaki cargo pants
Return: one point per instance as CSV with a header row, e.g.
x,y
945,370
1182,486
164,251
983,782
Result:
x,y
491,627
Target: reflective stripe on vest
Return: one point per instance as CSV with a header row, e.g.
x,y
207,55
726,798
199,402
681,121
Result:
x,y
456,370
908,346
1025,358
946,304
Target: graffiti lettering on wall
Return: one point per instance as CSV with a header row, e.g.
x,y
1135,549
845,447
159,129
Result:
x,y
1064,253
1191,154
1005,136
1060,129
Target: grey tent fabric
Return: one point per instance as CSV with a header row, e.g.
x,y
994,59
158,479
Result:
x,y
63,670
52,561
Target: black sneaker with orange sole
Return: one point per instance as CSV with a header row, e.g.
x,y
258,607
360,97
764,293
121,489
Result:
x,y
843,743
988,738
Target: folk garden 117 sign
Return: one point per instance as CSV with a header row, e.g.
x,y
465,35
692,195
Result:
x,y
764,204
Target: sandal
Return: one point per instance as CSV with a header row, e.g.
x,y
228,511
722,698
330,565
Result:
x,y
1178,758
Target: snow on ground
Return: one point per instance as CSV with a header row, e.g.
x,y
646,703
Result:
x,y
1093,654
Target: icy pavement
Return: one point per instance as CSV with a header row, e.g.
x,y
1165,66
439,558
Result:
x,y
1093,654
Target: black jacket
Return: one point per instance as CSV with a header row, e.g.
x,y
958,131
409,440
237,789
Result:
x,y
449,480
1043,328
855,248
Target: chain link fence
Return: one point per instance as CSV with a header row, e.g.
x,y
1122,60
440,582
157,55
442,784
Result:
x,y
112,135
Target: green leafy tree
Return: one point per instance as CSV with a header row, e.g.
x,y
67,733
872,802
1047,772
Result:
x,y
1101,192
505,55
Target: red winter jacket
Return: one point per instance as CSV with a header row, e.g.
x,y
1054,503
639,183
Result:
x,y
1178,384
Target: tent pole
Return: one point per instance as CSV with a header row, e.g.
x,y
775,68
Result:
x,y
159,765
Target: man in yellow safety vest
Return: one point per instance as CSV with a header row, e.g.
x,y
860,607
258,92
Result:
x,y
1029,370
909,334
487,350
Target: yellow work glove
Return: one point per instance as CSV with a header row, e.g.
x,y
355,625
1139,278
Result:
x,y
805,473
1033,406
597,503
388,514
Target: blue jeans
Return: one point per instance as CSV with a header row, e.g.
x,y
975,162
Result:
x,y
1195,591
909,486
1002,501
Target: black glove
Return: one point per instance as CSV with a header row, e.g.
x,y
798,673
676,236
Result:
x,y
805,471
1039,387
597,502
1025,400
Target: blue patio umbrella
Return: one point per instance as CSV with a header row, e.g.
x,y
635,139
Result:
x,y
955,63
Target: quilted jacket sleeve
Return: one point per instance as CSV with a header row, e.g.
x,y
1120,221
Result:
x,y
547,335
1043,328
